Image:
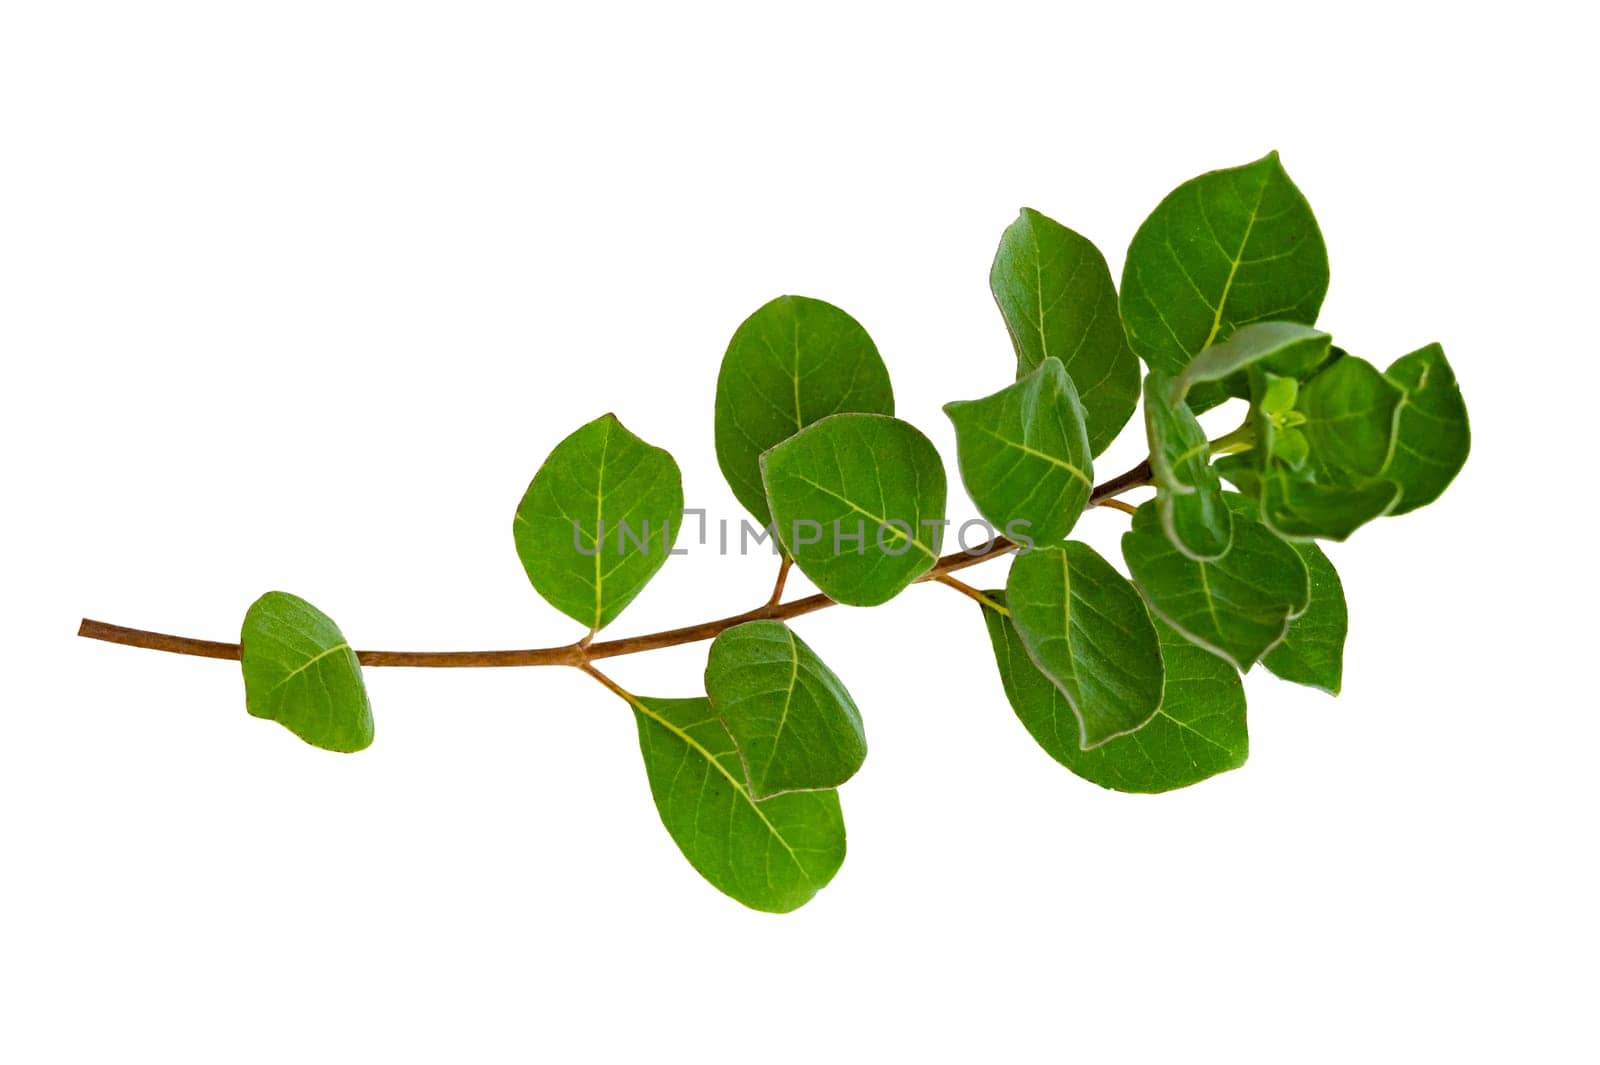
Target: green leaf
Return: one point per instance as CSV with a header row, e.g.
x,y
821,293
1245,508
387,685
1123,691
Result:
x,y
1198,732
1287,349
1086,629
1057,297
1349,411
1312,651
1024,454
1188,490
1432,437
772,855
1237,606
300,672
598,520
858,500
795,726
1223,250
791,363
1300,509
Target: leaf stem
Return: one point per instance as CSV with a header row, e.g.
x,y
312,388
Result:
x,y
972,593
583,652
1241,439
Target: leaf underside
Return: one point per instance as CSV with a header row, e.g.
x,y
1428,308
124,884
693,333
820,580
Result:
x,y
299,671
1198,732
793,722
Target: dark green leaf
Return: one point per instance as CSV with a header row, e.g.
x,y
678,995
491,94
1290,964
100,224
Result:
x,y
795,726
1432,437
1087,630
1237,606
1024,455
858,500
1188,490
300,672
1312,651
1057,297
598,520
772,855
1300,509
791,363
1287,349
1224,250
1198,732
1349,411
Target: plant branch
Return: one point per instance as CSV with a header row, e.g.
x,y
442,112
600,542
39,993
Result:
x,y
584,651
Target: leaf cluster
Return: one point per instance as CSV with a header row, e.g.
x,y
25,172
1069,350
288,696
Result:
x,y
1130,679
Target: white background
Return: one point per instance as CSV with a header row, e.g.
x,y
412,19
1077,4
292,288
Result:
x,y
298,295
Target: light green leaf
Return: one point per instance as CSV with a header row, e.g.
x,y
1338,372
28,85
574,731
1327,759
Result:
x,y
794,724
1224,250
598,520
1057,297
1198,732
1237,606
1024,455
772,855
858,500
1287,349
1086,629
791,363
1188,490
300,672
1432,437
1312,651
1349,411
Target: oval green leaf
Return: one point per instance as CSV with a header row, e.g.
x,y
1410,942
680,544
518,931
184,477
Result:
x,y
1237,606
1349,410
300,672
1189,495
1086,629
1058,300
1024,453
1432,437
772,855
1312,651
858,502
1223,250
795,725
791,363
598,520
1198,732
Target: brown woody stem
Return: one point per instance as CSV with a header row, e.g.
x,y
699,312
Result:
x,y
584,651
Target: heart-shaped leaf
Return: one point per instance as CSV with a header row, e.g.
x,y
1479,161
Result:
x,y
1057,297
1198,732
792,720
1223,250
1188,490
1237,606
1024,454
300,672
1432,436
598,520
791,363
1086,629
858,500
772,855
